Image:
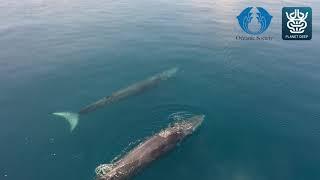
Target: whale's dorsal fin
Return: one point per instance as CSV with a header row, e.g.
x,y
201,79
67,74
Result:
x,y
71,117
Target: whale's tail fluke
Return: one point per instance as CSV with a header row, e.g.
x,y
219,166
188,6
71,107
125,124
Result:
x,y
71,117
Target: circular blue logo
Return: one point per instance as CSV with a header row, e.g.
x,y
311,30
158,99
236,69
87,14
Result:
x,y
263,19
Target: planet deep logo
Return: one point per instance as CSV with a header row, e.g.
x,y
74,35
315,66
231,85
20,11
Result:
x,y
254,21
296,23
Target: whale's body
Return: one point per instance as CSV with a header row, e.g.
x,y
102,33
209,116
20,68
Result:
x,y
133,89
121,94
148,151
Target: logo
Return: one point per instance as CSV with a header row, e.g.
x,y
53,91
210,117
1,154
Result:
x,y
262,18
296,23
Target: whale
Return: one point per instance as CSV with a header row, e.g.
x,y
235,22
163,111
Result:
x,y
149,150
73,117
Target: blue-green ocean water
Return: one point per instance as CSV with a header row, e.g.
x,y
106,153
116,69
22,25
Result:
x,y
261,99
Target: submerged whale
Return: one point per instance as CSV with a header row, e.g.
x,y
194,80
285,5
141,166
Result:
x,y
149,150
131,90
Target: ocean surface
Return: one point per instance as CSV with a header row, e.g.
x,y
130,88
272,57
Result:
x,y
261,98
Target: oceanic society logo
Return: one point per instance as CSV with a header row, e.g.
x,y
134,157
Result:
x,y
254,21
296,23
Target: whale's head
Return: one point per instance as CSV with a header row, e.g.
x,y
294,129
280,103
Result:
x,y
193,123
196,121
188,126
169,73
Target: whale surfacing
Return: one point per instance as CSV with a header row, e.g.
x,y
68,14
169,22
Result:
x,y
149,150
134,89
